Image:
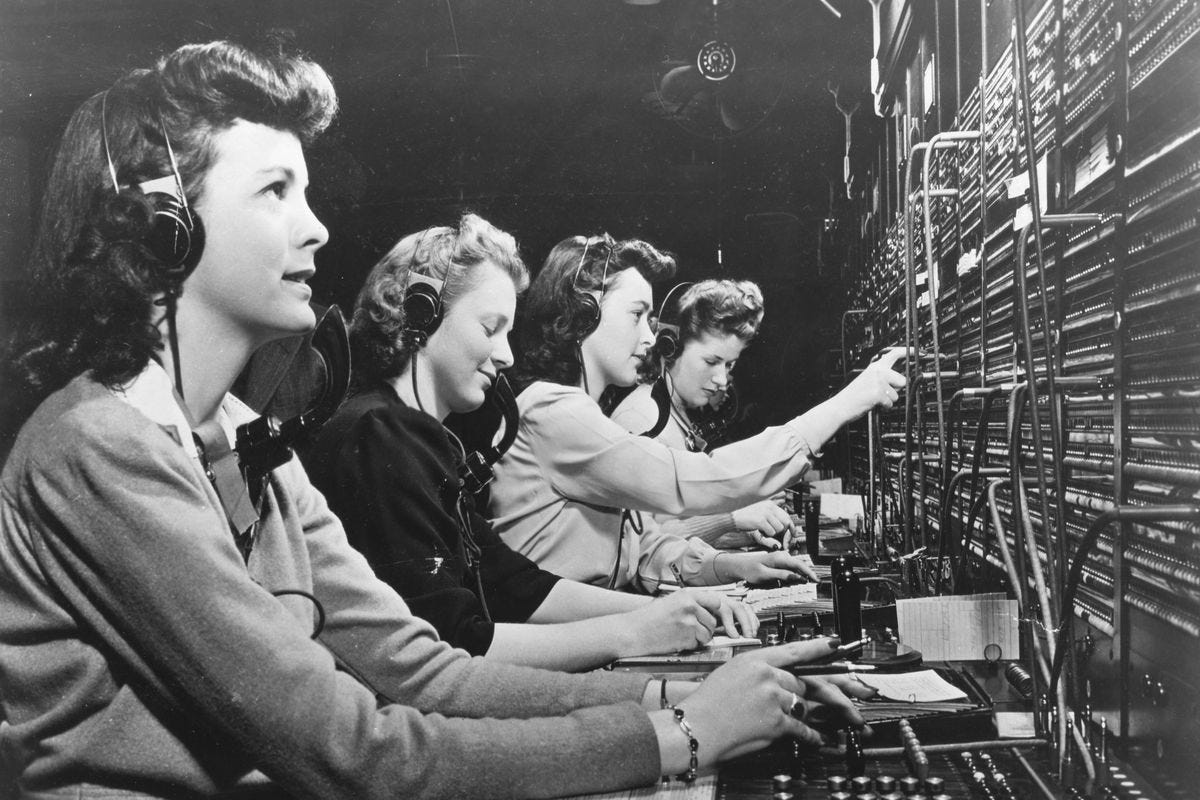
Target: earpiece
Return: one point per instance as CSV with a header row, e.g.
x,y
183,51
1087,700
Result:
x,y
422,307
667,335
587,312
176,238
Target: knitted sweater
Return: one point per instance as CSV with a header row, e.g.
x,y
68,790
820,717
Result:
x,y
140,656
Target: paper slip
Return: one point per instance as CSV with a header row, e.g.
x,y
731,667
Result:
x,y
722,640
704,788
828,485
736,589
842,506
960,627
1015,725
923,686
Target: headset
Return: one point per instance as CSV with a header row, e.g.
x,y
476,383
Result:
x,y
422,307
667,344
422,298
588,313
176,237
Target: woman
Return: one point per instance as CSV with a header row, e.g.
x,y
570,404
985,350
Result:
x,y
160,635
569,491
391,470
702,330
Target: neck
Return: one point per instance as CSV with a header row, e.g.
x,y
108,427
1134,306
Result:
x,y
589,380
419,393
212,352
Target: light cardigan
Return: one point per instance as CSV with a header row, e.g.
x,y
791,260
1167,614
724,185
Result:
x,y
560,489
141,657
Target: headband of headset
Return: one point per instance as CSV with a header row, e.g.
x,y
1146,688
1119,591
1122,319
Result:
x,y
176,237
587,315
667,338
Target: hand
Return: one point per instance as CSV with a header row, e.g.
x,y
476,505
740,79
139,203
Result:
x,y
876,386
770,703
766,523
685,620
682,620
761,567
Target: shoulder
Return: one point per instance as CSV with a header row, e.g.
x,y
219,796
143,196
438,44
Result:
x,y
542,396
638,411
84,429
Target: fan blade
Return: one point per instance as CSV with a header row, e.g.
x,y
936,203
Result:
x,y
728,118
680,85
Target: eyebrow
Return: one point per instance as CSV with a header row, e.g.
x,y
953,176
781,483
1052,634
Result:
x,y
288,172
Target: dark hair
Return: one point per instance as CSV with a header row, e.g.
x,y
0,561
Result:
x,y
718,306
379,349
552,322
91,266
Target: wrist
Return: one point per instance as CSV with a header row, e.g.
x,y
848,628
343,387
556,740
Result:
x,y
716,567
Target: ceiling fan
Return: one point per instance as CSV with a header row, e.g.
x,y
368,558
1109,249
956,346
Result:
x,y
724,69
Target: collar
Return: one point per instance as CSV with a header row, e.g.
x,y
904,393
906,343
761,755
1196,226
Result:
x,y
153,394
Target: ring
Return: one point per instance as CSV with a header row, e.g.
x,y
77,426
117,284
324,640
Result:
x,y
795,702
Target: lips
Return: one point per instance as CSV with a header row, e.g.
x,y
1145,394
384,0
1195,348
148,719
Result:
x,y
300,275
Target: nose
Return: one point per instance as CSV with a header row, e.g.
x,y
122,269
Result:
x,y
721,377
313,233
502,355
646,335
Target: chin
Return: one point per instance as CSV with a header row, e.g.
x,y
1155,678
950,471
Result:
x,y
467,404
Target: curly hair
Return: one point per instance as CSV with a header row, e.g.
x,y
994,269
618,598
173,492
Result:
x,y
379,348
719,306
553,321
90,265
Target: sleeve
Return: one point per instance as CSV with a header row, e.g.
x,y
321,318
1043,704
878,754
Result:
x,y
228,657
665,558
589,458
707,528
514,585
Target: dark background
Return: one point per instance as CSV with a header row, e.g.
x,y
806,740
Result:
x,y
547,117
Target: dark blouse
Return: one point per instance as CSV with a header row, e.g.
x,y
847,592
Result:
x,y
390,474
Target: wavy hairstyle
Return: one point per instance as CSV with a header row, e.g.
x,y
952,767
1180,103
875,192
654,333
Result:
x,y
90,265
553,321
379,348
724,307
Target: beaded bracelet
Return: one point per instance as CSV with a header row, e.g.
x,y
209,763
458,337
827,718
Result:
x,y
693,746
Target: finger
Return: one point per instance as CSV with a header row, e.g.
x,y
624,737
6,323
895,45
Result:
x,y
765,541
797,566
728,619
803,733
890,356
831,696
705,614
747,619
790,653
702,633
850,685
766,574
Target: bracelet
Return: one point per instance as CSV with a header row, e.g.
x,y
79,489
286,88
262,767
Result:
x,y
662,697
693,746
